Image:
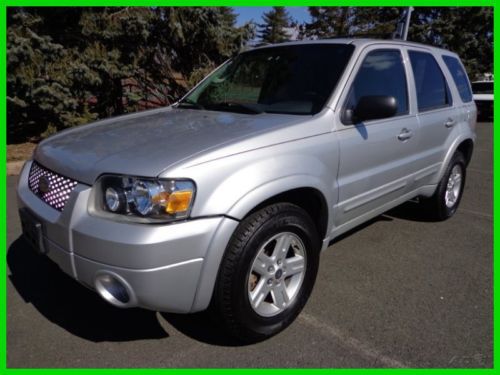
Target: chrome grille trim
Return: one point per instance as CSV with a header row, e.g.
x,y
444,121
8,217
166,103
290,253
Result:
x,y
59,188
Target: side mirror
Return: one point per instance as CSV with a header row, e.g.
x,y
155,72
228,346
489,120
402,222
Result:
x,y
371,107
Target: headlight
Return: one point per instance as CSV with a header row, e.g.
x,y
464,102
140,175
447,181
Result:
x,y
144,199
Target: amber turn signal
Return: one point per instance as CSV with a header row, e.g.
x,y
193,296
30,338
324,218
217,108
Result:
x,y
179,201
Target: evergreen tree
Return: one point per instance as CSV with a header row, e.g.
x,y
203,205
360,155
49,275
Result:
x,y
378,22
68,66
273,28
329,22
39,82
468,31
202,38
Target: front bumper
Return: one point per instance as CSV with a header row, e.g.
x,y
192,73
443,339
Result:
x,y
169,267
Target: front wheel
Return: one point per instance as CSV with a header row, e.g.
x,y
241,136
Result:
x,y
444,203
267,273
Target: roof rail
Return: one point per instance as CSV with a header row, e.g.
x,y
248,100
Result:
x,y
366,36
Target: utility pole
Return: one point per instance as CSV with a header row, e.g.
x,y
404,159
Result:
x,y
403,25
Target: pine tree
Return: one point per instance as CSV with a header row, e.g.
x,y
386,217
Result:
x,y
378,22
39,82
273,28
68,66
468,31
329,22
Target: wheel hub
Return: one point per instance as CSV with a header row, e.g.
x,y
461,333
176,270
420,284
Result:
x,y
453,187
277,274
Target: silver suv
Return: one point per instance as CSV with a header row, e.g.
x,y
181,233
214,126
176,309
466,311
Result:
x,y
226,199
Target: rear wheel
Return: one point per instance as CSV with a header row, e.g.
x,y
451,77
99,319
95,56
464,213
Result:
x,y
267,273
444,203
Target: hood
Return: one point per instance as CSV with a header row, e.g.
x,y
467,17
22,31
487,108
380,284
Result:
x,y
146,143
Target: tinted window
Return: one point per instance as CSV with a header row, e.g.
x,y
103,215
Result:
x,y
382,73
460,78
432,90
482,87
295,79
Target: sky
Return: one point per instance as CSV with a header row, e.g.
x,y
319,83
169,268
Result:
x,y
245,14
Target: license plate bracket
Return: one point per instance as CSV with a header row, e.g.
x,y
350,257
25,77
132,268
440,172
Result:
x,y
32,230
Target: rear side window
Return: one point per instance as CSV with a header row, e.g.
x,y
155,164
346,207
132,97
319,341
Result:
x,y
382,73
432,90
460,78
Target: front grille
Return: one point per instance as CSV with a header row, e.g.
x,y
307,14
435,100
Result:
x,y
51,187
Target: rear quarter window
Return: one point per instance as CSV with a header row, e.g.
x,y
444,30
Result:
x,y
459,77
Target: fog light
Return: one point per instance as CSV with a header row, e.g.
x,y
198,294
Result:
x,y
112,289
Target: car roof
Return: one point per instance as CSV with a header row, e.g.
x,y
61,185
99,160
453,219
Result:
x,y
358,42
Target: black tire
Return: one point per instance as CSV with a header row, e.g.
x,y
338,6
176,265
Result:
x,y
231,301
435,206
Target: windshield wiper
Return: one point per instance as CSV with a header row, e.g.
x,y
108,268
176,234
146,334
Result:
x,y
235,107
189,103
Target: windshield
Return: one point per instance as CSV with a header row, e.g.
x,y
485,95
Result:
x,y
296,79
482,87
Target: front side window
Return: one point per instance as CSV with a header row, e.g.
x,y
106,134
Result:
x,y
460,78
381,74
294,79
432,90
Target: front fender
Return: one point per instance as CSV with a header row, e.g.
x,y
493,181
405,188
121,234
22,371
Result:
x,y
277,186
234,187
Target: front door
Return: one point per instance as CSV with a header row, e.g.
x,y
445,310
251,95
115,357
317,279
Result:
x,y
377,158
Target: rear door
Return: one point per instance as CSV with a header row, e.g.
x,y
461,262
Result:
x,y
378,156
438,112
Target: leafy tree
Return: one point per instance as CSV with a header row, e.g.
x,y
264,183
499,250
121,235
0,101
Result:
x,y
273,28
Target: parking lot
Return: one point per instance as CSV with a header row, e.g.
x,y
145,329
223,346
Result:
x,y
397,292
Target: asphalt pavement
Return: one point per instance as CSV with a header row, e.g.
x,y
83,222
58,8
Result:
x,y
396,292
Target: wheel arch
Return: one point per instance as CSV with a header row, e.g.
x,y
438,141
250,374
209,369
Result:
x,y
464,145
288,189
311,197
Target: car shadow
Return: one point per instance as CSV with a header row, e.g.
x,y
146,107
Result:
x,y
359,228
80,311
65,302
202,327
411,211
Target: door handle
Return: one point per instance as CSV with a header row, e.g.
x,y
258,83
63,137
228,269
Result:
x,y
405,134
449,123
